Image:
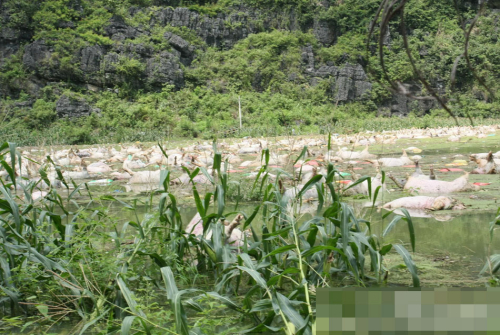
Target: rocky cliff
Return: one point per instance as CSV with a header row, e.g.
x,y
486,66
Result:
x,y
102,66
146,48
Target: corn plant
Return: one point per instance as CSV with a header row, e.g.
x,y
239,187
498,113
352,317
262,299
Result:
x,y
269,281
492,264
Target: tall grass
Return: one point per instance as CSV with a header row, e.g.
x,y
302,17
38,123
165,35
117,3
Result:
x,y
61,258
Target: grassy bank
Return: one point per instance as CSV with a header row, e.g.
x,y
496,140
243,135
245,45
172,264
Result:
x,y
93,130
276,63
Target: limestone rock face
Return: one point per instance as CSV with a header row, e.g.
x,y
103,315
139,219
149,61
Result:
x,y
118,30
324,32
145,66
35,54
225,30
164,70
402,105
185,49
10,42
72,107
91,58
349,82
103,66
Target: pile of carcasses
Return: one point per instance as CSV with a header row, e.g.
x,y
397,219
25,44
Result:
x,y
137,164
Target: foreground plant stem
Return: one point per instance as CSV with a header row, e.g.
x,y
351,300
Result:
x,y
302,274
288,328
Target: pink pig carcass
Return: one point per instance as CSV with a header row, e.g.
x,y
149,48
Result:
x,y
234,236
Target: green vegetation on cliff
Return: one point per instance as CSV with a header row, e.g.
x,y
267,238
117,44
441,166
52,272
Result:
x,y
89,70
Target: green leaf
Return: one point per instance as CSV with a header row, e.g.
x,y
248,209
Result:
x,y
262,328
180,315
138,227
267,236
247,260
209,250
190,303
290,311
255,275
248,220
198,202
261,170
168,279
391,225
387,214
111,198
281,250
302,154
359,181
12,149
494,261
155,257
351,261
385,249
13,208
10,171
162,151
318,248
217,162
409,263
127,324
261,306
225,300
75,191
58,172
411,229
376,195
209,177
92,322
127,294
14,297
273,280
344,226
221,203
165,179
361,237
57,222
309,184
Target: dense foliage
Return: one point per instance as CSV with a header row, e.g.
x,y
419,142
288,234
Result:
x,y
274,70
65,257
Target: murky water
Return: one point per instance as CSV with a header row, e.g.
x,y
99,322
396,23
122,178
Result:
x,y
460,235
448,233
461,238
456,242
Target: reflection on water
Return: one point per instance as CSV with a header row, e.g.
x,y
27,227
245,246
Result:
x,y
467,234
141,188
441,232
420,213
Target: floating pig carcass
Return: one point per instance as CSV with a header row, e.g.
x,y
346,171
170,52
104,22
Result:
x,y
362,188
420,175
393,162
99,167
362,155
234,236
461,184
145,177
424,202
486,166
